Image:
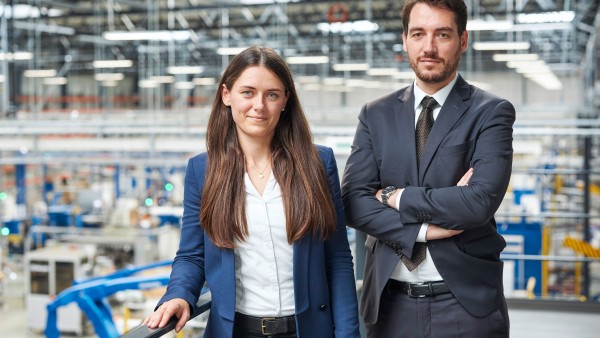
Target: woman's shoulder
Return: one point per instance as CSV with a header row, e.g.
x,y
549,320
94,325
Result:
x,y
199,160
324,151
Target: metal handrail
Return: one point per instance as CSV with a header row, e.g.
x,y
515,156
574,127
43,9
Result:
x,y
143,331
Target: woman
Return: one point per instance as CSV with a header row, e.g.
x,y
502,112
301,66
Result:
x,y
263,222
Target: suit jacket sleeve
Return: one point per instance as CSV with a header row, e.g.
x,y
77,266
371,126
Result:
x,y
187,275
338,262
468,207
362,180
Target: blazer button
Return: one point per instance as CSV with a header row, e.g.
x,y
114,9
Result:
x,y
322,307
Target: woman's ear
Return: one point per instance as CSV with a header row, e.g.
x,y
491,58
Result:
x,y
225,95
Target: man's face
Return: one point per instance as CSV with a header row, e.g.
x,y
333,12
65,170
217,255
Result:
x,y
433,45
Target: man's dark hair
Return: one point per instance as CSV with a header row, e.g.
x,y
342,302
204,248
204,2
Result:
x,y
457,7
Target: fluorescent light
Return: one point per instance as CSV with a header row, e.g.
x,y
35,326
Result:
x,y
204,81
55,81
109,76
361,26
40,73
547,81
382,71
187,85
112,63
481,25
147,84
230,50
185,70
17,56
515,57
2,78
501,45
526,64
147,35
163,79
546,17
341,67
534,27
298,60
109,83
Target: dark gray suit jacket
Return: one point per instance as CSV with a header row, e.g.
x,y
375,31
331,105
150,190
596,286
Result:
x,y
473,129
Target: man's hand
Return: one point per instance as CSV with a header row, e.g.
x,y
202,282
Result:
x,y
436,232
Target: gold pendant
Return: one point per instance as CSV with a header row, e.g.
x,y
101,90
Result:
x,y
260,176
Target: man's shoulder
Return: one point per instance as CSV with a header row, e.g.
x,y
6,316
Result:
x,y
389,99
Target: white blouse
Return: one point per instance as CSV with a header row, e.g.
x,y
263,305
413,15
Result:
x,y
264,283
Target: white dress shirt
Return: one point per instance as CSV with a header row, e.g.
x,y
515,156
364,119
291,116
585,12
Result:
x,y
264,283
426,271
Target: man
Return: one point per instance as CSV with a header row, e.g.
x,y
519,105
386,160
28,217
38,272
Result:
x,y
433,189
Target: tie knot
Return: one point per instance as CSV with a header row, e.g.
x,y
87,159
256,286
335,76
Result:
x,y
428,102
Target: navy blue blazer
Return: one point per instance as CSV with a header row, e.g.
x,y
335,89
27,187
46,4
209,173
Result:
x,y
324,285
472,130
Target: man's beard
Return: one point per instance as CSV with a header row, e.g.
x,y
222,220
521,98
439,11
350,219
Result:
x,y
428,77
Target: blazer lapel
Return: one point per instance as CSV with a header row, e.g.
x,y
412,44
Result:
x,y
404,114
455,106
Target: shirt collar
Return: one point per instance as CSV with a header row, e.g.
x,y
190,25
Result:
x,y
440,96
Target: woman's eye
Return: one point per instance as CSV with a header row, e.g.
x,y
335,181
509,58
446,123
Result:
x,y
272,96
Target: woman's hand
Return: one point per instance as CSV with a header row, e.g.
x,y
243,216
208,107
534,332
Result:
x,y
166,310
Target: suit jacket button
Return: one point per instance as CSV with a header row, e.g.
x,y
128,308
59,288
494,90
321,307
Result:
x,y
322,307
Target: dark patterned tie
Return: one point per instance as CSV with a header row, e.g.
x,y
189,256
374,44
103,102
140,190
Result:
x,y
424,125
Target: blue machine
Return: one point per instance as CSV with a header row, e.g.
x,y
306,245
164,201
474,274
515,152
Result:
x,y
90,295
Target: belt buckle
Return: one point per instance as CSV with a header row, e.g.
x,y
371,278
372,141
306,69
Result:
x,y
263,327
415,295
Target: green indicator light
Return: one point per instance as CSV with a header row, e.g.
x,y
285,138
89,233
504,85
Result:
x,y
148,202
5,232
168,187
3,196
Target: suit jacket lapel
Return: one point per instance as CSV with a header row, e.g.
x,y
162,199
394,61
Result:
x,y
404,114
454,107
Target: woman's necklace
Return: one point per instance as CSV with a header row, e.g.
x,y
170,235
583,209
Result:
x,y
261,173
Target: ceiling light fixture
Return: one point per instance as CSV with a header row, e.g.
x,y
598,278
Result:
x,y
39,73
106,77
306,60
230,50
350,67
185,70
17,56
112,63
184,85
508,45
482,25
55,81
515,57
147,35
204,81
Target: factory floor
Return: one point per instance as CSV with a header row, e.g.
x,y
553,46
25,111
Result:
x,y
542,322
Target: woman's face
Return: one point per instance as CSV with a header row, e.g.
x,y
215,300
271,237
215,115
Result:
x,y
256,100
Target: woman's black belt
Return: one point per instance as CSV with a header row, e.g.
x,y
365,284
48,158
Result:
x,y
266,325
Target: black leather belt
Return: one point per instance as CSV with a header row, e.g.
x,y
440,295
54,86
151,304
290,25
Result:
x,y
266,325
427,289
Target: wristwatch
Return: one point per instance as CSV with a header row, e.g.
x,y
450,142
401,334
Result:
x,y
386,193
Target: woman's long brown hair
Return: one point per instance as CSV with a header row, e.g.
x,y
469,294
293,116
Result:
x,y
296,164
